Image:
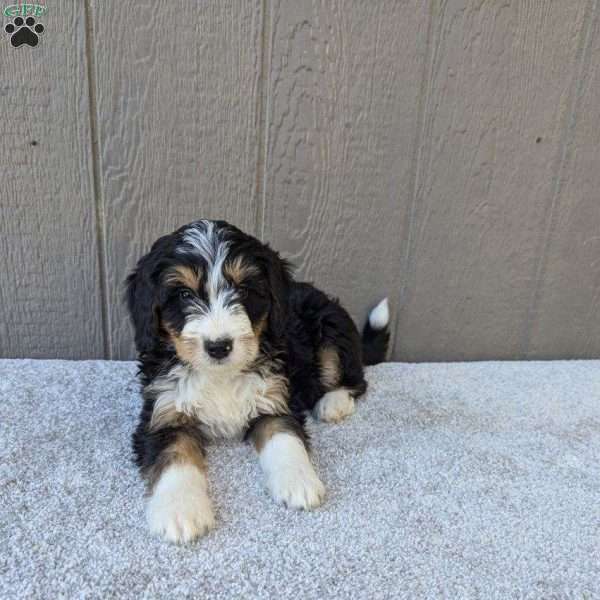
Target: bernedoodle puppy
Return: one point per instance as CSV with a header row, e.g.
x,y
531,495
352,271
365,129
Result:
x,y
230,346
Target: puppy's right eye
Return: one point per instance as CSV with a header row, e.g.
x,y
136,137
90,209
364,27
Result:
x,y
185,294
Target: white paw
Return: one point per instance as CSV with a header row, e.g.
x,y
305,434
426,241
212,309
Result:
x,y
300,489
334,406
179,509
291,478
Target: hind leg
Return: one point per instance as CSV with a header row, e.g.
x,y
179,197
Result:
x,y
328,374
334,406
341,375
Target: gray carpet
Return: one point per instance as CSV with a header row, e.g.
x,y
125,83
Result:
x,y
476,480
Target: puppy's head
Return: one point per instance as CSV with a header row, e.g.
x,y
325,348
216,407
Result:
x,y
211,293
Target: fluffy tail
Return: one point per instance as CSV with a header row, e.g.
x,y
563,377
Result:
x,y
376,334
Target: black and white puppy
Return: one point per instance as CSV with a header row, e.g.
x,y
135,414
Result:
x,y
230,346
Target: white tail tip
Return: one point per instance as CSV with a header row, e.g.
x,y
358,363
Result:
x,y
379,317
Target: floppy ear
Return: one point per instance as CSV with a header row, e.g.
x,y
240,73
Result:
x,y
141,295
279,275
141,302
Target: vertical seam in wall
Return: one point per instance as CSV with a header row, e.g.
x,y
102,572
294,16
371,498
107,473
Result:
x,y
263,126
581,68
96,181
414,177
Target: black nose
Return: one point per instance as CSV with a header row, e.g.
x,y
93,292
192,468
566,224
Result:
x,y
218,348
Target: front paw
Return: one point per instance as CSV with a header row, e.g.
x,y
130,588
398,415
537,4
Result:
x,y
291,478
179,509
299,489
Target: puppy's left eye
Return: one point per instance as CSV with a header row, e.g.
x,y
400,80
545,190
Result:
x,y
185,294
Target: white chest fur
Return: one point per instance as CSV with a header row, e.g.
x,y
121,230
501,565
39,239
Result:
x,y
222,404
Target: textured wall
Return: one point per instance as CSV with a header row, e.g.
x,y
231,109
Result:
x,y
443,153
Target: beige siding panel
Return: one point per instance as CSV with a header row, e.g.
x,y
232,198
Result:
x,y
566,305
178,105
50,301
343,103
498,99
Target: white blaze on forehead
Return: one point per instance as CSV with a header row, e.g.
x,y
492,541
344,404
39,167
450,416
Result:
x,y
220,317
206,241
201,238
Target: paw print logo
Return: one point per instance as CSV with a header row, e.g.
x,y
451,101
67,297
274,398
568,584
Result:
x,y
24,31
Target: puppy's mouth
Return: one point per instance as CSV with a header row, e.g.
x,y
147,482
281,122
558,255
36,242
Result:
x,y
219,364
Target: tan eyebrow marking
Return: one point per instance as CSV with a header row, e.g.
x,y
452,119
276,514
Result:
x,y
182,275
238,270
